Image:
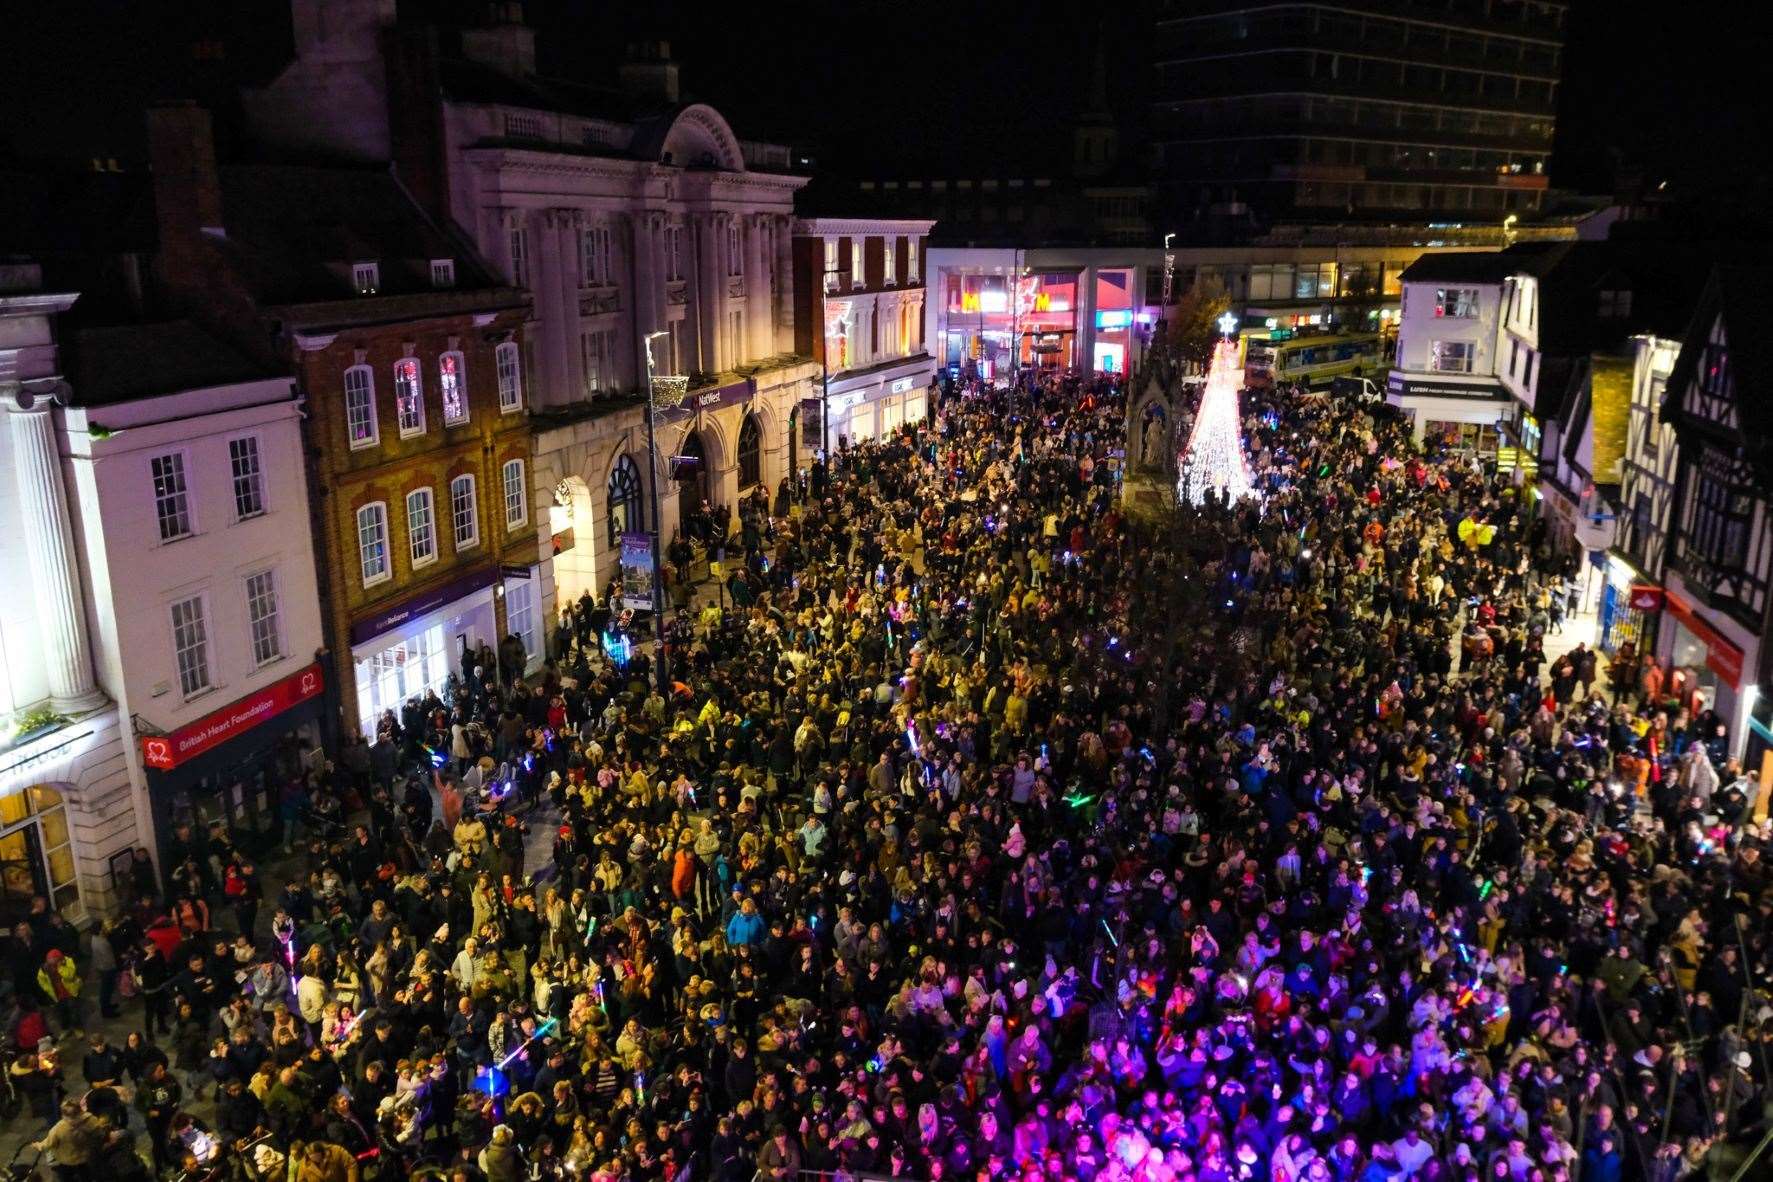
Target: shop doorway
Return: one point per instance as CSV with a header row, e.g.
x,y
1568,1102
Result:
x,y
36,854
689,468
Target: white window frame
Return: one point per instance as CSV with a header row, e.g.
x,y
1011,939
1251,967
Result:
x,y
443,272
912,271
461,378
173,501
464,511
1447,303
508,361
202,680
368,391
254,475
673,253
400,417
830,264
889,261
1442,351
516,494
257,614
735,253
421,527
858,259
366,277
379,511
519,591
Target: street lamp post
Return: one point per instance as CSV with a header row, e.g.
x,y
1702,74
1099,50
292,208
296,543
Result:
x,y
661,671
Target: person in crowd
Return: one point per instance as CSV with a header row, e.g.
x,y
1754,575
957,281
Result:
x,y
986,825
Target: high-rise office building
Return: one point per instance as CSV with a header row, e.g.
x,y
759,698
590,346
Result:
x,y
1438,110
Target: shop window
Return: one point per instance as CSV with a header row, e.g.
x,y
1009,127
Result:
x,y
520,614
1451,356
750,453
516,498
625,513
360,405
409,397
510,378
190,645
263,618
372,543
421,528
464,511
36,854
249,480
172,504
1456,303
452,384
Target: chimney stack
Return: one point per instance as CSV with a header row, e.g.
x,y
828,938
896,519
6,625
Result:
x,y
187,191
504,42
415,116
649,73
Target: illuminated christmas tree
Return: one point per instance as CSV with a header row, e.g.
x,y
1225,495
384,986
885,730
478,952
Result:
x,y
1214,459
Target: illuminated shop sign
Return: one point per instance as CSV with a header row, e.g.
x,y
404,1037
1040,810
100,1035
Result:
x,y
1114,319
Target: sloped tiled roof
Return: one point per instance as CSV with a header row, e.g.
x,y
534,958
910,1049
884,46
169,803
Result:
x,y
293,232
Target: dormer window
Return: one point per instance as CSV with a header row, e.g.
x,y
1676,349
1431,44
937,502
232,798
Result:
x,y
1614,304
443,272
366,277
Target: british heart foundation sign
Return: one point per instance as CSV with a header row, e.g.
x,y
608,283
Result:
x,y
168,751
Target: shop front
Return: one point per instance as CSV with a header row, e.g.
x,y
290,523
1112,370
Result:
x,y
874,404
1628,607
1454,415
231,764
1705,658
413,646
991,318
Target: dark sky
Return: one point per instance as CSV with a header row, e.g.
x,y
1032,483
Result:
x,y
893,87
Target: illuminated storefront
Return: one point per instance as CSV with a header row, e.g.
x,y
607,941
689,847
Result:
x,y
1057,309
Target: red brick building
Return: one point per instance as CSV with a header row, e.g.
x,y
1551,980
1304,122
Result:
x,y
409,355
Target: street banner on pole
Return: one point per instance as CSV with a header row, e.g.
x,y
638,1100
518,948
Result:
x,y
637,571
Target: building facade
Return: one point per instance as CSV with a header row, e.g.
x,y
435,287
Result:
x,y
66,805
1445,377
1085,308
859,311
1715,611
1632,594
637,222
192,511
409,355
1424,109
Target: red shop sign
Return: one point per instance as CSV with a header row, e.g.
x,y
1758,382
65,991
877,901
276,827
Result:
x,y
1646,598
168,751
1721,656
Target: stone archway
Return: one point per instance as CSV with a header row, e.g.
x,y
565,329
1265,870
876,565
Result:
x,y
575,529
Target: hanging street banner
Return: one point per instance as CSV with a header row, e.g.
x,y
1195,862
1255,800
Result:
x,y
637,571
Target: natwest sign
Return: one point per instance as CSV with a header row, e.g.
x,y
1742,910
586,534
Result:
x,y
168,751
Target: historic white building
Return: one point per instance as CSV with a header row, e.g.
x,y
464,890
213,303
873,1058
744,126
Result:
x,y
190,499
65,802
1446,376
159,619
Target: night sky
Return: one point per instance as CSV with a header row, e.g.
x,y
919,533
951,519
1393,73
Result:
x,y
890,87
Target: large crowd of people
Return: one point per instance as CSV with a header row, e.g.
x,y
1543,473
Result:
x,y
985,828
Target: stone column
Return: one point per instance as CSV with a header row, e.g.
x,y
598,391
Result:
x,y
708,297
784,286
49,539
760,326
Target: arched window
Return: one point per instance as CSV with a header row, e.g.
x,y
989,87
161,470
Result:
x,y
625,513
750,453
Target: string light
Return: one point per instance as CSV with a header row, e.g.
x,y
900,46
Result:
x,y
1214,459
